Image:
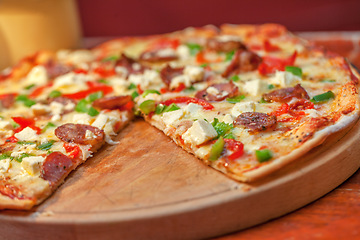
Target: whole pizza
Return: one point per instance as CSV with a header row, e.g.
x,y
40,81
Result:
x,y
244,99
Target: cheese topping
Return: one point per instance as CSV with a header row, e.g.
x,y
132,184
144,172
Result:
x,y
200,132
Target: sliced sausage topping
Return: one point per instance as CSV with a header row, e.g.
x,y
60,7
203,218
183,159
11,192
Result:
x,y
286,94
243,61
7,100
55,167
56,69
224,46
168,73
130,65
218,92
76,133
255,121
111,103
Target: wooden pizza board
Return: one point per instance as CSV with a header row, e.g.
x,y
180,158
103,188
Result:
x,y
148,188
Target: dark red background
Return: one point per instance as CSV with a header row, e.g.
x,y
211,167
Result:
x,y
141,17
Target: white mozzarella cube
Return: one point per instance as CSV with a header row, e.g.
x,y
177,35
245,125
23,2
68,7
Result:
x,y
192,109
166,52
70,80
5,164
183,52
37,75
227,119
170,118
201,131
176,81
195,73
255,87
40,109
285,79
27,134
243,107
32,164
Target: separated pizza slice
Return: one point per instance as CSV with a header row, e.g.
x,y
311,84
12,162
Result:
x,y
56,113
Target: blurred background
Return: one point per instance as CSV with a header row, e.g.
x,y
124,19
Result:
x,y
27,26
141,17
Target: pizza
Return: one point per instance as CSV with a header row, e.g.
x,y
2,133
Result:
x,y
244,99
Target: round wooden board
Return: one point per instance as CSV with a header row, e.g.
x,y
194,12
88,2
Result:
x,y
147,187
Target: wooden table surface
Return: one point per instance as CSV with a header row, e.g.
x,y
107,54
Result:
x,y
336,215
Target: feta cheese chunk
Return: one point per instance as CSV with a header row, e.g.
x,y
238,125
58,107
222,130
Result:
x,y
32,164
201,131
170,117
255,87
5,164
27,134
285,79
243,107
39,109
195,73
193,110
37,75
150,77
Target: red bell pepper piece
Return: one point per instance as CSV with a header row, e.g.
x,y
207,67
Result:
x,y
73,150
37,91
93,87
236,147
187,100
25,122
165,43
271,64
269,47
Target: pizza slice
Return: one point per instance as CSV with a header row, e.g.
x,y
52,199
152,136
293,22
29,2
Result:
x,y
57,111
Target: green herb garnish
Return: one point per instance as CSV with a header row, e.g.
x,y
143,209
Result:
x,y
46,146
148,91
323,97
55,94
236,99
25,100
194,48
132,86
294,70
217,149
148,106
229,56
30,86
263,155
235,78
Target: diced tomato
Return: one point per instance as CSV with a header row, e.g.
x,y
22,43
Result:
x,y
187,100
271,64
163,90
73,150
284,108
105,72
127,107
201,58
302,104
165,43
39,90
25,122
180,87
140,91
93,87
269,47
236,147
80,70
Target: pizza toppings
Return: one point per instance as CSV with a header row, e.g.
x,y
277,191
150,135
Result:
x,y
255,121
200,132
272,64
111,103
243,61
286,94
55,167
187,100
126,65
323,97
77,133
159,55
263,155
224,45
218,92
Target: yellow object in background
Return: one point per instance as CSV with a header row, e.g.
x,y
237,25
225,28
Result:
x,y
27,26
